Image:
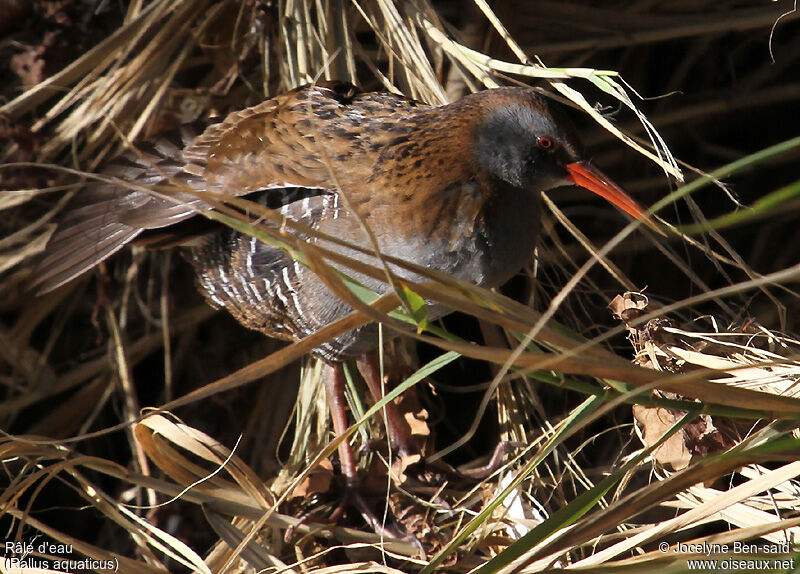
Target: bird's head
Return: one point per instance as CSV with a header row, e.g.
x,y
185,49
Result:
x,y
528,144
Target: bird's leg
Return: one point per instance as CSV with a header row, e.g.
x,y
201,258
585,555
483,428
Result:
x,y
334,380
396,427
400,436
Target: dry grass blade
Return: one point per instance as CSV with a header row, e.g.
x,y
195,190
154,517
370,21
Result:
x,y
602,79
154,430
255,555
366,567
605,365
585,494
717,504
116,85
169,545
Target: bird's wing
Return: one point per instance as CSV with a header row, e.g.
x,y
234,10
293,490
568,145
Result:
x,y
322,136
92,228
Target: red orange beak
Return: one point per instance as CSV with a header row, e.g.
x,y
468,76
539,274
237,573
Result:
x,y
589,177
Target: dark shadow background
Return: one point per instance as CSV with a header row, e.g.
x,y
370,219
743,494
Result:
x,y
710,88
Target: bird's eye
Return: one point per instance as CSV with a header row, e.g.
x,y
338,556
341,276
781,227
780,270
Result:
x,y
544,142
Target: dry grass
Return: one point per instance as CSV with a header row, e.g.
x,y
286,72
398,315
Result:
x,y
96,374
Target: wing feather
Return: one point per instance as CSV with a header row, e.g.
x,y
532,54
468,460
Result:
x,y
291,141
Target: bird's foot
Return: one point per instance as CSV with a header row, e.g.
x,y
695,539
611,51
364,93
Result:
x,y
481,472
354,498
416,467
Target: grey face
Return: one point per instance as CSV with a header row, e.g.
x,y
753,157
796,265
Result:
x,y
511,145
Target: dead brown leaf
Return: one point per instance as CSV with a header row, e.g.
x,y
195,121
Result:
x,y
655,422
318,481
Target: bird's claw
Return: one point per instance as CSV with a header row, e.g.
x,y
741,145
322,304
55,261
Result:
x,y
354,498
479,473
438,471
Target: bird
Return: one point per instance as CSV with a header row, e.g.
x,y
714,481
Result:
x,y
453,188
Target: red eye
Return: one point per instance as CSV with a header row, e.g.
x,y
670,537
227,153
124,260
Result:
x,y
545,142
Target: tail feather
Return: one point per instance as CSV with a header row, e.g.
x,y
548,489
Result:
x,y
95,227
71,253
